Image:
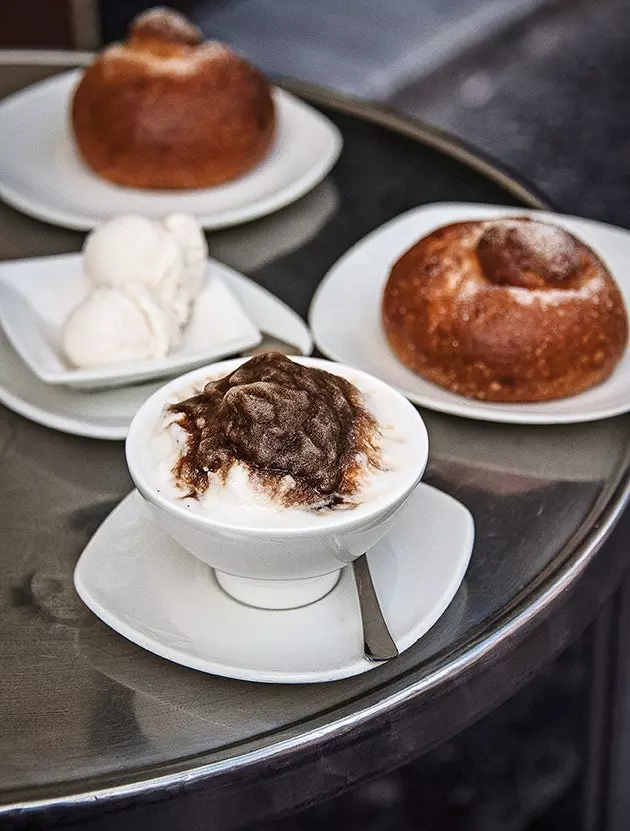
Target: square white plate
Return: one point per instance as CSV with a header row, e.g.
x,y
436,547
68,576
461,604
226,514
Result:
x,y
345,315
107,414
42,175
37,295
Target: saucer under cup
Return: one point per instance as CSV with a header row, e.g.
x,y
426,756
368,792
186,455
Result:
x,y
141,583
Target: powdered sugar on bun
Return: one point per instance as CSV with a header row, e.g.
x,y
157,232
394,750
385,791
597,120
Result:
x,y
174,62
522,252
164,24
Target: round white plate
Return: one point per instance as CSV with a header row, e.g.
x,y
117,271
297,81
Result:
x,y
106,414
42,175
143,585
345,315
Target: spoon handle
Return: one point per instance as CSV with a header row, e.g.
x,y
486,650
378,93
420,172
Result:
x,y
378,644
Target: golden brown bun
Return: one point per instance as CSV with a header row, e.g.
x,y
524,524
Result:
x,y
164,110
508,310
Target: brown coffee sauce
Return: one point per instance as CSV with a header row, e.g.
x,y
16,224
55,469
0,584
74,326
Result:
x,y
279,418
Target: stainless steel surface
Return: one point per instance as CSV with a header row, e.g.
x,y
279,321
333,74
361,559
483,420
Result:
x,y
92,723
378,644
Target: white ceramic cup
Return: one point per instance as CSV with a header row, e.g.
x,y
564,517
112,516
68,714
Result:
x,y
275,567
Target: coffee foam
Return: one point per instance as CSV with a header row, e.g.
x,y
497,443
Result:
x,y
239,501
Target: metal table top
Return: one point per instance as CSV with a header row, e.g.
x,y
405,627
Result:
x,y
92,724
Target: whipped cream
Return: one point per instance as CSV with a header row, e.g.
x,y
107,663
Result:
x,y
239,500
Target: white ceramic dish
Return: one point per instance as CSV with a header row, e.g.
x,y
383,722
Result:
x,y
346,324
37,295
42,175
107,414
143,585
277,565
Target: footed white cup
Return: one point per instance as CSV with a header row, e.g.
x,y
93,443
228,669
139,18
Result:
x,y
276,567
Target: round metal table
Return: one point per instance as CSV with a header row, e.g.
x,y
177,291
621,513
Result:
x,y
93,728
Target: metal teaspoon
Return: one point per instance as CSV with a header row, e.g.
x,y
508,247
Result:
x,y
378,644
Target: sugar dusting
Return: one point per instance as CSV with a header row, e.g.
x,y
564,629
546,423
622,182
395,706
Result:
x,y
547,240
208,52
469,288
166,24
554,297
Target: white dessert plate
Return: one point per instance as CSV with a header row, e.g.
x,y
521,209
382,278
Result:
x,y
151,591
345,315
37,295
42,175
106,414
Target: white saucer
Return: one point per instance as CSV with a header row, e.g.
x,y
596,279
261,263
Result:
x,y
106,414
139,582
345,315
42,175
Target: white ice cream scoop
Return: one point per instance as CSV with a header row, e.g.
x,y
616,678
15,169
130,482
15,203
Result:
x,y
113,326
180,286
167,256
130,248
192,242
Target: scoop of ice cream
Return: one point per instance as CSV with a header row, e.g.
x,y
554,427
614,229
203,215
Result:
x,y
114,326
130,248
168,257
192,242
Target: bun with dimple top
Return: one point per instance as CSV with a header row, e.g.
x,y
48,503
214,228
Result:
x,y
166,110
513,310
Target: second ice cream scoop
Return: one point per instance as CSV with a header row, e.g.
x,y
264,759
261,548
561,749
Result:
x,y
113,326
